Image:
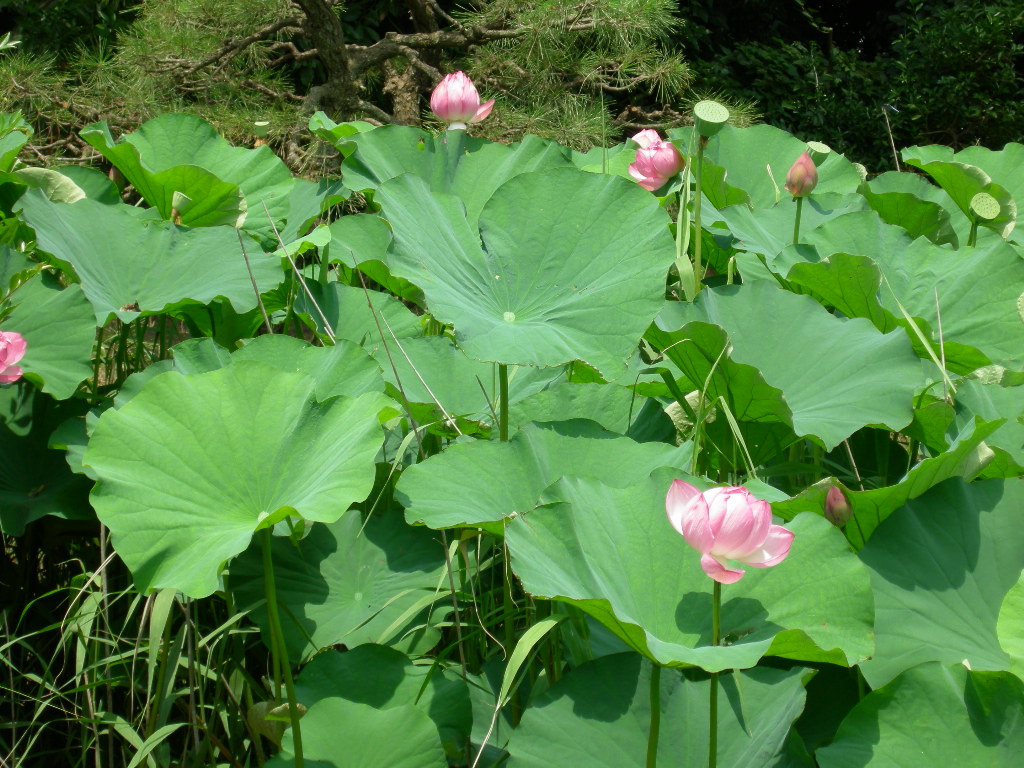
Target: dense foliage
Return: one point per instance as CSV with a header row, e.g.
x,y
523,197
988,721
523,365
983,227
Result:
x,y
388,488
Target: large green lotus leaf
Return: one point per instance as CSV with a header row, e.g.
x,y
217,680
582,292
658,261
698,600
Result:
x,y
56,186
934,715
191,466
35,480
613,553
768,231
153,158
853,285
903,199
149,267
346,584
362,241
392,150
697,349
59,330
342,369
572,266
95,184
359,238
963,180
836,375
748,153
14,134
940,568
978,288
487,482
965,457
348,313
613,407
598,715
207,202
337,733
993,402
384,678
464,387
307,200
1010,627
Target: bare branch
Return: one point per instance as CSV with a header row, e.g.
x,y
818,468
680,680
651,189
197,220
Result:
x,y
233,46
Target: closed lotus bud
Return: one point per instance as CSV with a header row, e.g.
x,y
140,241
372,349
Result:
x,y
802,177
456,101
837,507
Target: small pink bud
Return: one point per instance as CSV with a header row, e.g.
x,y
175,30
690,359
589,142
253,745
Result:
x,y
12,349
456,101
837,507
656,161
802,177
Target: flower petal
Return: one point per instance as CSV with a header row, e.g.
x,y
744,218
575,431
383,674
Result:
x,y
484,111
688,513
646,138
773,551
717,571
756,516
11,373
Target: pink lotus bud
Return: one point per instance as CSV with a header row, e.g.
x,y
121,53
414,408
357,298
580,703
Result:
x,y
837,507
656,161
802,177
725,524
12,349
456,101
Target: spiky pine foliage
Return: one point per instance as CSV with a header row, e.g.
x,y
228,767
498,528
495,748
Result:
x,y
576,67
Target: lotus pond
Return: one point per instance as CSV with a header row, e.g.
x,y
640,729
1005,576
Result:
x,y
371,472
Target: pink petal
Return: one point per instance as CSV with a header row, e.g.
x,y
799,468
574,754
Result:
x,y
646,138
484,111
717,571
12,373
773,551
691,520
756,516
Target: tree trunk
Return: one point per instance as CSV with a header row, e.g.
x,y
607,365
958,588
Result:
x,y
339,95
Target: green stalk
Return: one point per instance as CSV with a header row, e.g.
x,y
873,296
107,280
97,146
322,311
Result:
x,y
796,223
454,143
972,238
716,602
652,733
277,645
698,269
687,280
503,402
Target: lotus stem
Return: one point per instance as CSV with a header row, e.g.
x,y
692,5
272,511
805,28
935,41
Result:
x,y
652,733
698,269
796,223
716,602
503,402
277,646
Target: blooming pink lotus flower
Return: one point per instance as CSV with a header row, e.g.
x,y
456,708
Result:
x,y
802,177
727,524
456,101
656,162
12,349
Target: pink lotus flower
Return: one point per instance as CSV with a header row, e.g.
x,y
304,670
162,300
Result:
x,y
456,101
727,524
802,177
12,349
656,162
